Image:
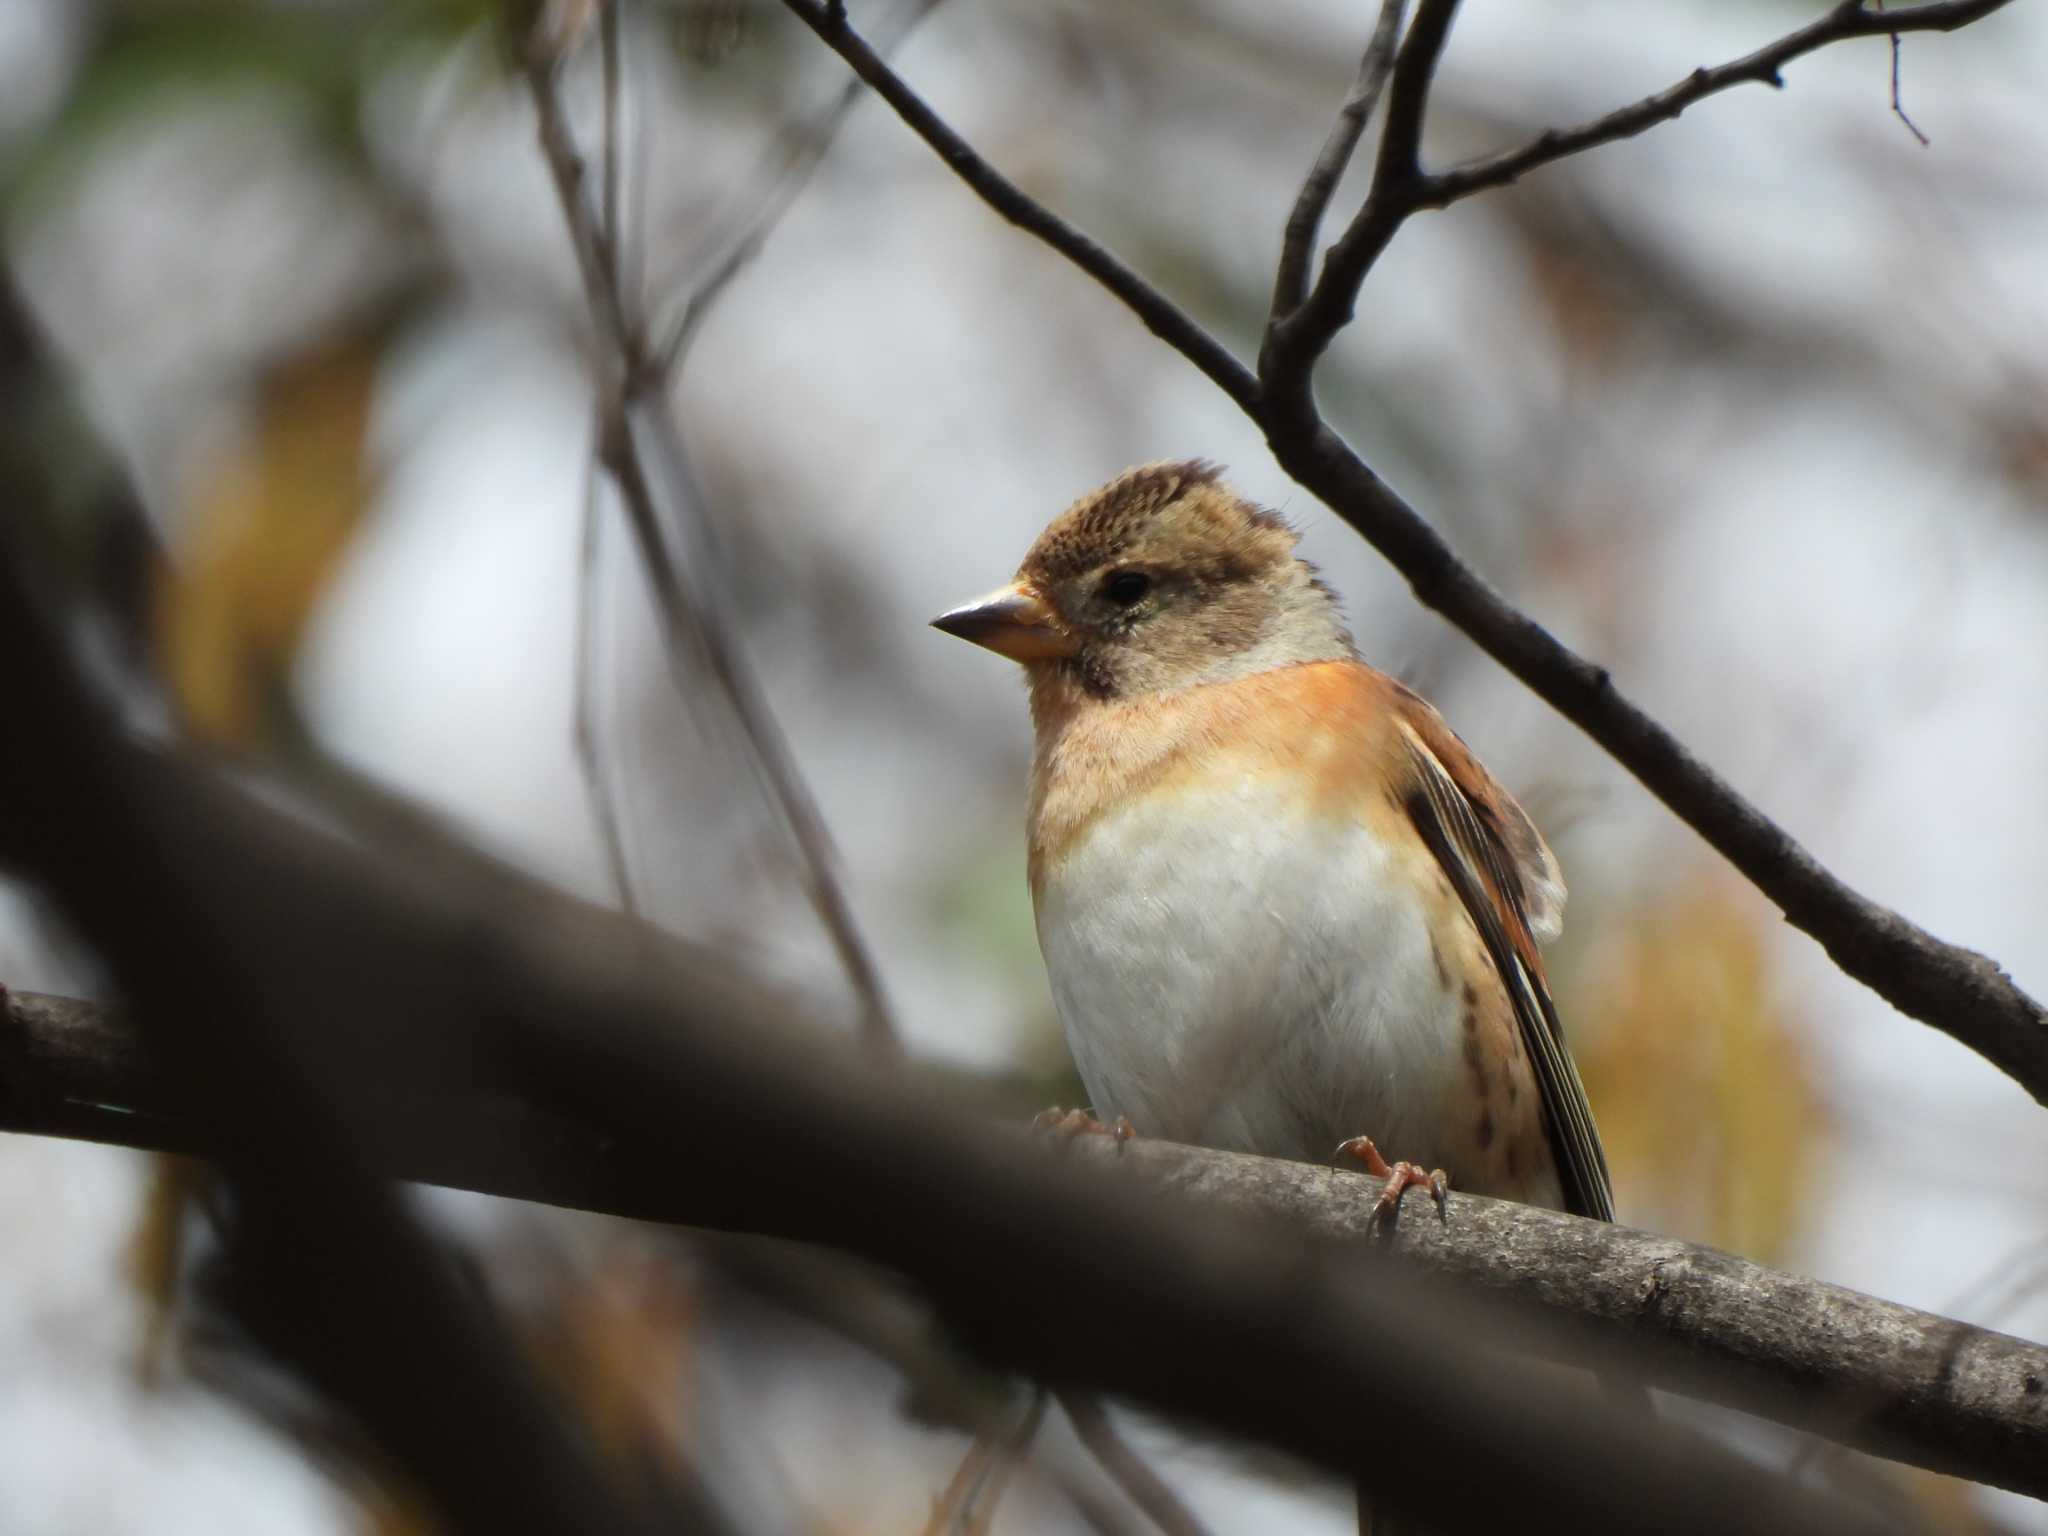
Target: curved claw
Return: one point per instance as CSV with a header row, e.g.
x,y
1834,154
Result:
x,y
1401,1177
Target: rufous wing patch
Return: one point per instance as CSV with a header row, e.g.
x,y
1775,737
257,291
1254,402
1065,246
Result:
x,y
1542,892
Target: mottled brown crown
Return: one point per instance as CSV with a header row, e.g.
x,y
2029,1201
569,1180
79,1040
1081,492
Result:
x,y
1178,506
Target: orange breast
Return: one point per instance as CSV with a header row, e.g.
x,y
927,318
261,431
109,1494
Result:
x,y
1329,724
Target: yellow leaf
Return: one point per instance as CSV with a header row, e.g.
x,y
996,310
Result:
x,y
156,1254
1705,1089
262,536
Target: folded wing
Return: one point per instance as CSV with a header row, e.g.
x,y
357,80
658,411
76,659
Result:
x,y
1509,883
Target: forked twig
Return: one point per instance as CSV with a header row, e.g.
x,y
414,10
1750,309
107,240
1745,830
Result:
x,y
691,618
804,148
1329,308
1160,315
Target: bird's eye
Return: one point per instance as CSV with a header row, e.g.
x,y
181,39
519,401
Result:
x,y
1126,587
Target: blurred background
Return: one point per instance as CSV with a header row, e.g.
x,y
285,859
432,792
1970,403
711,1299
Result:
x,y
1751,410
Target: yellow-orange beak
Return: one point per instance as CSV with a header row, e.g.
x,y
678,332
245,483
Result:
x,y
1013,621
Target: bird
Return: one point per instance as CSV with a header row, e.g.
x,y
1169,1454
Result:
x,y
1283,907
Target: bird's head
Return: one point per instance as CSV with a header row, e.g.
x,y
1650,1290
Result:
x,y
1163,579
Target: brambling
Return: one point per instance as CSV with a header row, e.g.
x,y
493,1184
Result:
x,y
1280,901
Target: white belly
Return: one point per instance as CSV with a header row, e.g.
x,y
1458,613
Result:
x,y
1234,975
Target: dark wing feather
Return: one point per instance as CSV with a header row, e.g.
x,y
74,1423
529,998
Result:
x,y
1484,875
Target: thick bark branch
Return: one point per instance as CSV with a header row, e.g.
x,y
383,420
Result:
x,y
1870,1374
1964,994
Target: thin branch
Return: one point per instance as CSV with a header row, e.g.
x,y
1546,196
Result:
x,y
1299,341
1298,246
1400,156
1145,1488
691,613
1964,994
975,1511
958,1494
1763,67
1294,343
1879,1377
804,148
1159,314
1898,106
879,1315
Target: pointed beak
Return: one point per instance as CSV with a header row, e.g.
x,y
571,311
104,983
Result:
x,y
1013,621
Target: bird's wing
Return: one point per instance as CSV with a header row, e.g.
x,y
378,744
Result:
x,y
1504,874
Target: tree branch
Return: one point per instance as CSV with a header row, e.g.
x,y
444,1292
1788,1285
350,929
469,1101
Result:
x,y
1298,245
759,1123
1882,1378
1763,67
1159,314
1402,188
1288,362
1956,990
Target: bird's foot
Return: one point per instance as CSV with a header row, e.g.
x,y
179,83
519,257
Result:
x,y
1400,1177
1079,1122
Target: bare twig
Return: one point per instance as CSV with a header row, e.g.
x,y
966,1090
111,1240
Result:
x,y
1964,994
802,148
1297,248
691,613
1294,344
1883,1378
1158,313
1763,67
1898,107
1400,156
1302,339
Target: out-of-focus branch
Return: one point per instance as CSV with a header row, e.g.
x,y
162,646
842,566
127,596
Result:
x,y
801,149
1880,1377
730,1103
335,1273
1130,1471
693,624
1958,991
